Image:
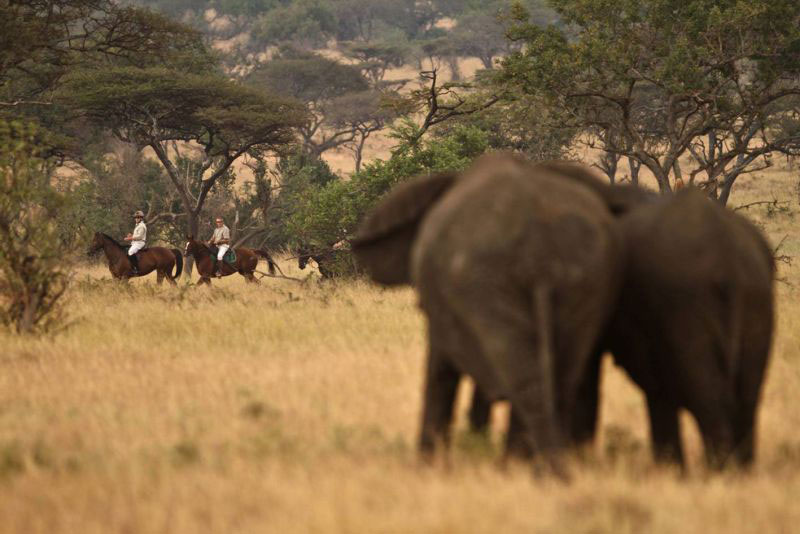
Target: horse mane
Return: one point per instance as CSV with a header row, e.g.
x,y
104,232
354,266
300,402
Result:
x,y
112,240
203,245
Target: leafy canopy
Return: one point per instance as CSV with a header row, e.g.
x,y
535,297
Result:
x,y
156,104
657,76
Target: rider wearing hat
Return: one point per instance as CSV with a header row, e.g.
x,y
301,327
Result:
x,y
137,239
222,239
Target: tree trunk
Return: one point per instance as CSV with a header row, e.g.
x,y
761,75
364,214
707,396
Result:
x,y
634,166
662,178
359,152
193,219
727,184
609,163
455,69
676,169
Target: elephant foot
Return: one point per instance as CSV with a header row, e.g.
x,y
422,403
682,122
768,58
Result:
x,y
551,465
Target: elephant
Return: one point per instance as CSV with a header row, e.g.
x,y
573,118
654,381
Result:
x,y
692,326
694,320
516,269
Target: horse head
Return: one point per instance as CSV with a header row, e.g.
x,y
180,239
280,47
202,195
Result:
x,y
188,250
96,244
302,260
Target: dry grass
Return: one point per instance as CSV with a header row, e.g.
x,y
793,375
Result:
x,y
294,408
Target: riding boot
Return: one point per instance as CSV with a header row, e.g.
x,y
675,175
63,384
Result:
x,y
134,259
218,269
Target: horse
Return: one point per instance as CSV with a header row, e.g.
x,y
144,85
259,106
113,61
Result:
x,y
330,263
159,259
246,261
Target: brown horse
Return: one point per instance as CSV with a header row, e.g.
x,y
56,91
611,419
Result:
x,y
246,261
158,259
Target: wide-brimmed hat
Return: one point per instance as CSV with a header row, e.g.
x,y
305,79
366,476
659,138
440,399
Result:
x,y
139,213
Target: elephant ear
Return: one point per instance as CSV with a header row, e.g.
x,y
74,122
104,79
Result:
x,y
620,199
384,240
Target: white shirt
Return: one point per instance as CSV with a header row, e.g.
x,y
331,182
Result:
x,y
223,232
140,232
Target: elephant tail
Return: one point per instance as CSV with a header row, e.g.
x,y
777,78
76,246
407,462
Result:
x,y
178,263
529,382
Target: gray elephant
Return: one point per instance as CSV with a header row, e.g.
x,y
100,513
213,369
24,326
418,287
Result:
x,y
692,326
694,322
516,269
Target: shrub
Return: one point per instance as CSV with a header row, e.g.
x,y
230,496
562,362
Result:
x,y
33,237
326,214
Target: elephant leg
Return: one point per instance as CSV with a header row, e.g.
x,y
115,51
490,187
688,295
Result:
x,y
748,391
744,435
480,411
715,422
517,445
744,421
441,384
664,430
582,421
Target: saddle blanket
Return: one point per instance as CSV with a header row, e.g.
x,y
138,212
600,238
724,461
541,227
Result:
x,y
229,257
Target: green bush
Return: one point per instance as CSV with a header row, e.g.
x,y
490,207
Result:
x,y
35,235
329,213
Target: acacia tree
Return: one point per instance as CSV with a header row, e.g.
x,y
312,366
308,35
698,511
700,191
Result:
x,y
155,107
362,114
41,40
669,78
374,58
318,82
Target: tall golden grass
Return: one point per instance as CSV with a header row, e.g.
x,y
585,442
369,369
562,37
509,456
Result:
x,y
293,407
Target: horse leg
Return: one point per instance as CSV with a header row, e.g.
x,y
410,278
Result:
x,y
159,277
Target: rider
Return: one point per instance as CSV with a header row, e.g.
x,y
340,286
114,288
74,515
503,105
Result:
x,y
137,239
222,239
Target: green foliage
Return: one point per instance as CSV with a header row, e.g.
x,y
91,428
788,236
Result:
x,y
654,78
245,7
42,41
308,77
298,174
518,124
117,182
375,57
155,106
324,215
35,236
310,22
220,114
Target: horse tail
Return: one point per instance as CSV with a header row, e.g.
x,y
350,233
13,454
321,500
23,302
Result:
x,y
264,254
178,263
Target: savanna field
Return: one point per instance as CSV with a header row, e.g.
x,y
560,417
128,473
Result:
x,y
293,407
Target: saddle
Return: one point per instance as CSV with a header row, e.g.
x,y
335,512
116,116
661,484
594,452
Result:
x,y
229,257
145,249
